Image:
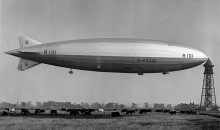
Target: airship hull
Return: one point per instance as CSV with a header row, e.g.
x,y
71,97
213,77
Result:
x,y
114,55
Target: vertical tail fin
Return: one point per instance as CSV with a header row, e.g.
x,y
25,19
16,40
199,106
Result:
x,y
26,41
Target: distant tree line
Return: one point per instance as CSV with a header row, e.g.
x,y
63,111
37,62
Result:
x,y
97,105
184,106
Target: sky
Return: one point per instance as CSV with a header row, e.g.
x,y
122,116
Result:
x,y
191,23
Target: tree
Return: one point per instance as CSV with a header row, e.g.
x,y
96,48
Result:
x,y
67,104
23,104
181,106
38,104
6,104
85,105
14,105
78,106
162,106
156,106
169,106
96,105
134,105
116,105
121,106
17,104
60,104
146,105
102,105
29,104
110,105
159,106
49,104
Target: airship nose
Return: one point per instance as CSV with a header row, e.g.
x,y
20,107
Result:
x,y
202,55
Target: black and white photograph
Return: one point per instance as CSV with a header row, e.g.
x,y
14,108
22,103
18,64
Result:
x,y
109,64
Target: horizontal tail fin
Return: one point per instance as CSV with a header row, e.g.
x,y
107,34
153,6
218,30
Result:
x,y
26,41
26,64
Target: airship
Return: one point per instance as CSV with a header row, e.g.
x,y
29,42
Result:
x,y
121,55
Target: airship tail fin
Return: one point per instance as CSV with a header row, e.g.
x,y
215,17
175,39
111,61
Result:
x,y
26,41
26,64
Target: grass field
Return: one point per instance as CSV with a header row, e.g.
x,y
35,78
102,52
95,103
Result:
x,y
157,121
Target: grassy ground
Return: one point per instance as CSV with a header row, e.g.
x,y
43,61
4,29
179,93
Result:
x,y
158,121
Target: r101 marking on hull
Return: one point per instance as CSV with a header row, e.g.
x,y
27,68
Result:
x,y
146,60
50,52
187,56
